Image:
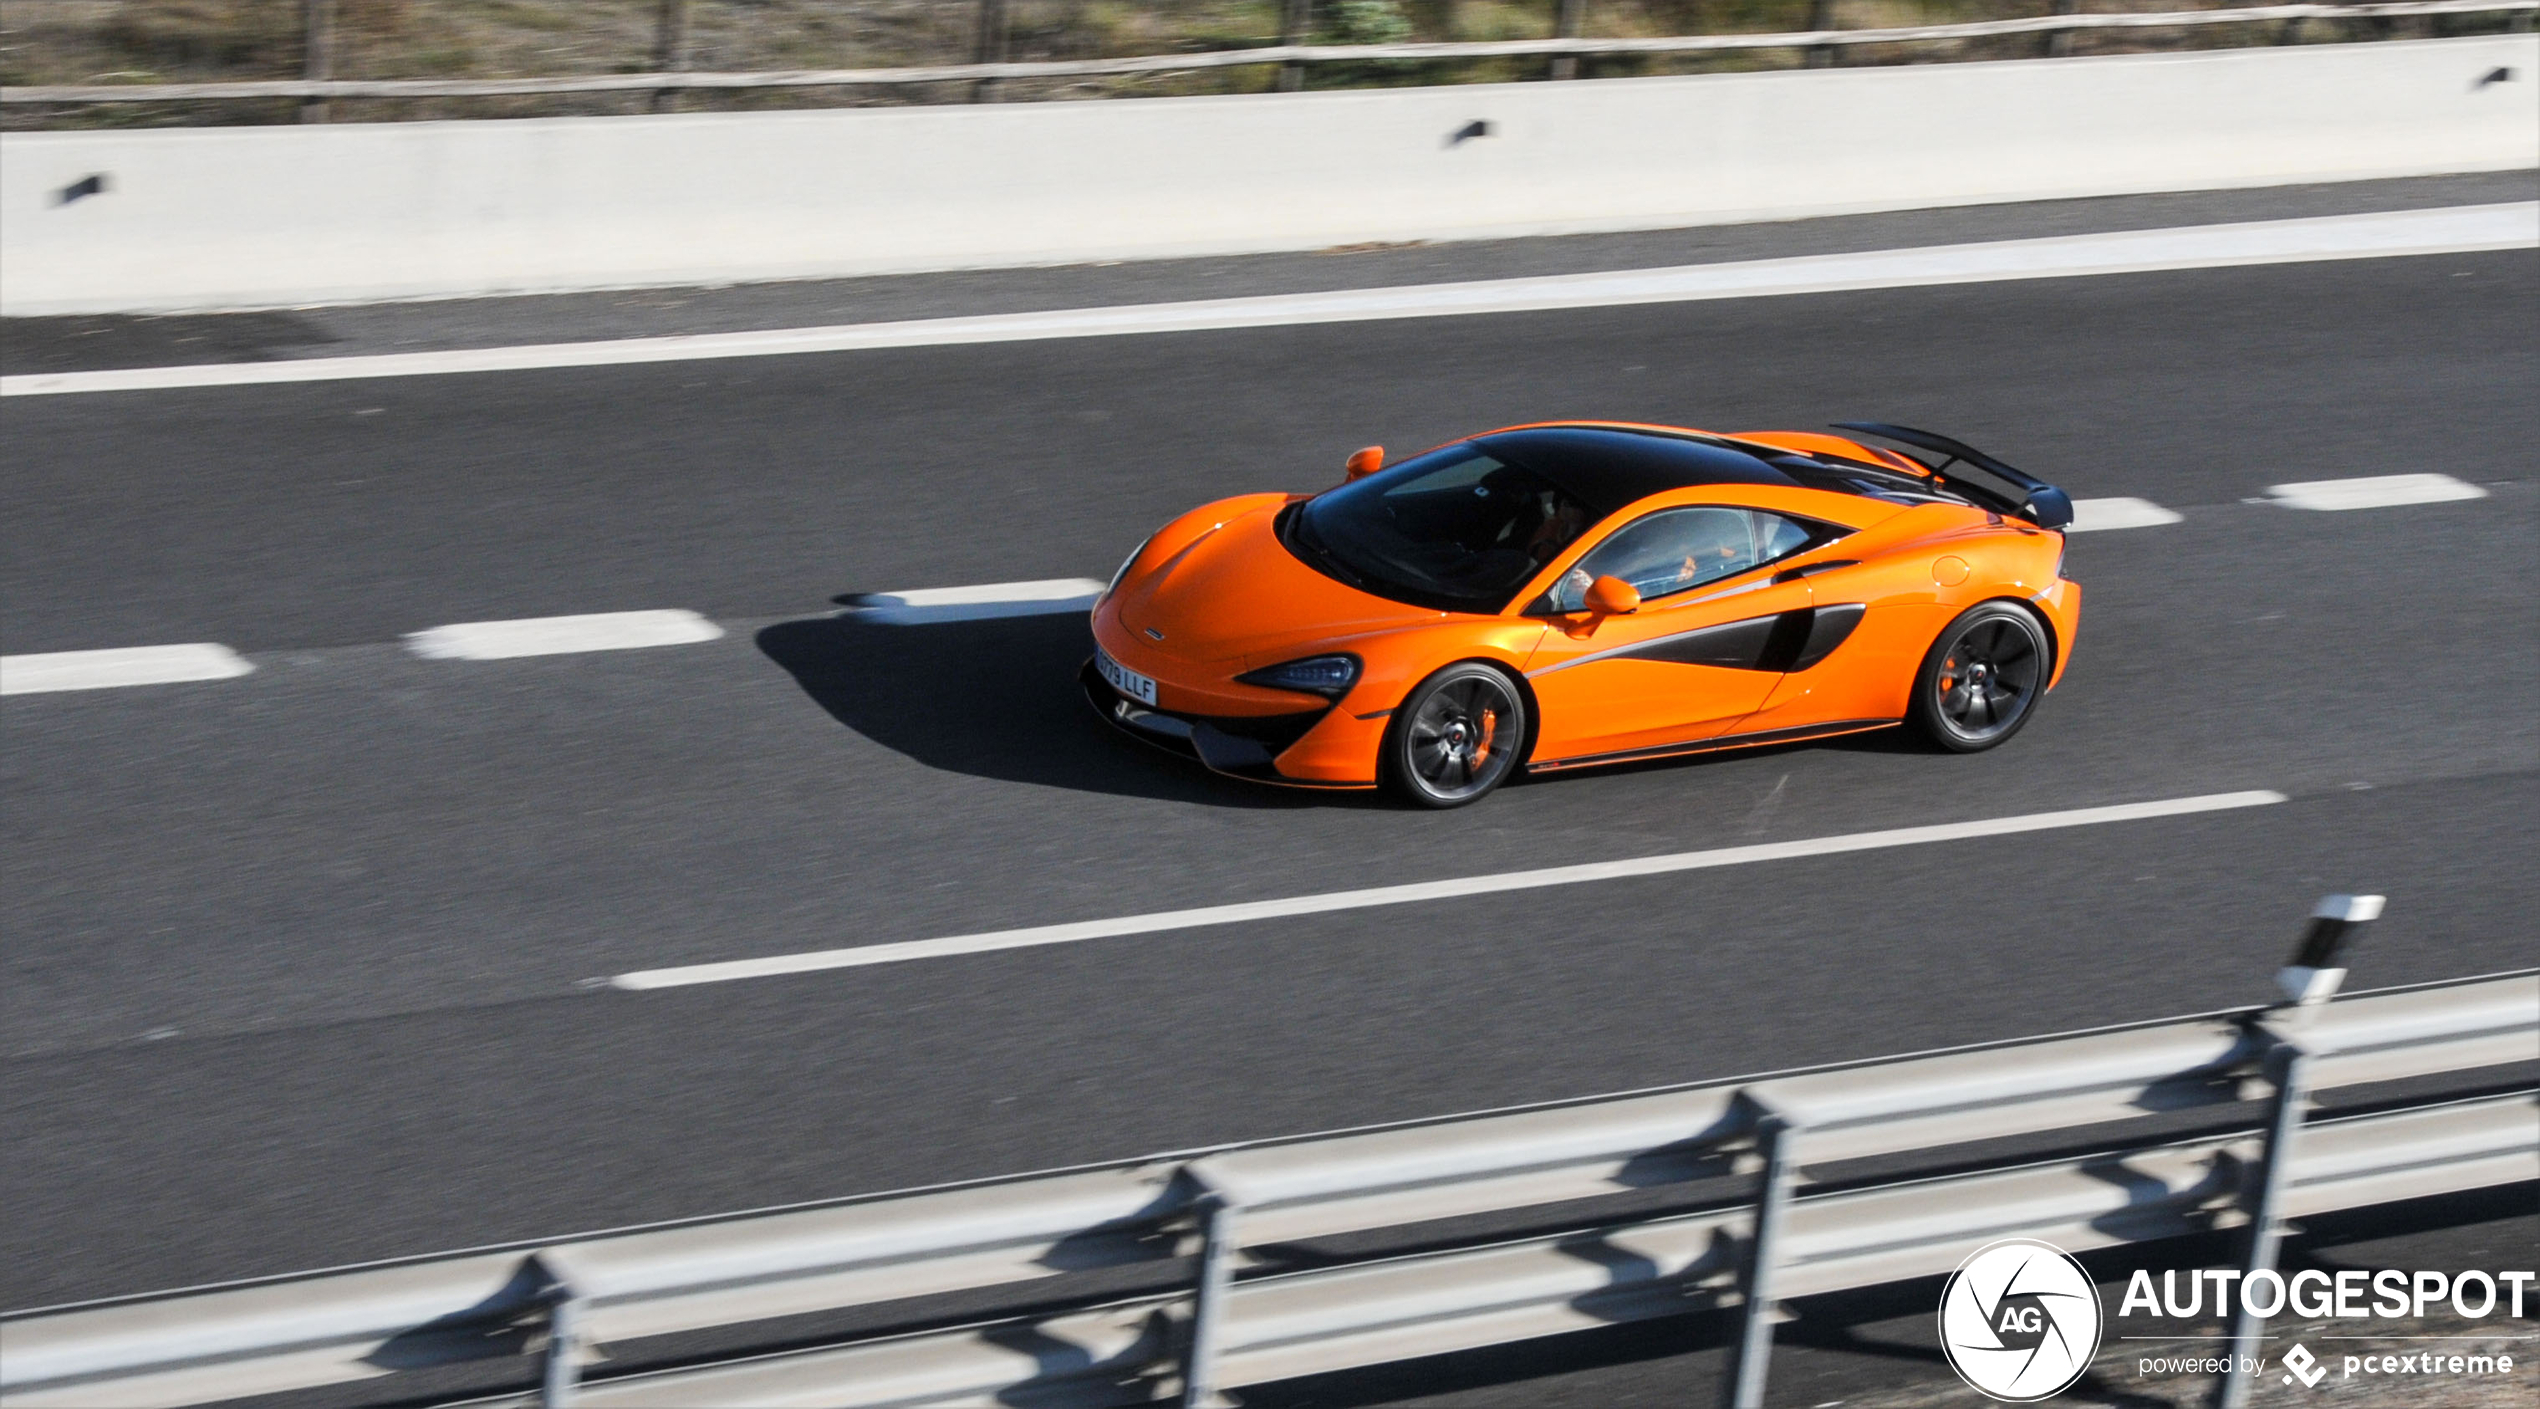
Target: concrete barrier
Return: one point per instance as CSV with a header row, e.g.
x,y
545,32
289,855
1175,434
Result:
x,y
278,216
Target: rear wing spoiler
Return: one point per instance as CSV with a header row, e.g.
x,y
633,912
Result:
x,y
1979,476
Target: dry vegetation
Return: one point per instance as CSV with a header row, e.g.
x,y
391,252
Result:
x,y
163,41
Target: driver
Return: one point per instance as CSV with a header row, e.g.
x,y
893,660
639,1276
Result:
x,y
1567,521
1557,521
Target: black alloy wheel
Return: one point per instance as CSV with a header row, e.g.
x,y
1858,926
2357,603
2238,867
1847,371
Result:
x,y
1456,737
1983,677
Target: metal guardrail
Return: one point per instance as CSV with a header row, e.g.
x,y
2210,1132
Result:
x,y
1324,1321
1234,1207
318,90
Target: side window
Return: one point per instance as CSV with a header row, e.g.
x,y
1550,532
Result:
x,y
1676,550
1777,538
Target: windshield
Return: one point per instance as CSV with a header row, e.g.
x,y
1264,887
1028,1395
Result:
x,y
1453,529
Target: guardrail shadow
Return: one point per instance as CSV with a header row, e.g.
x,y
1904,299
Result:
x,y
502,1326
993,698
1065,1371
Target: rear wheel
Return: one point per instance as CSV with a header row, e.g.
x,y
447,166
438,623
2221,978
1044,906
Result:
x,y
1455,737
1983,678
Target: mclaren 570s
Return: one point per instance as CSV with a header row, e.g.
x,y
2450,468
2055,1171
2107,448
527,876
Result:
x,y
1563,595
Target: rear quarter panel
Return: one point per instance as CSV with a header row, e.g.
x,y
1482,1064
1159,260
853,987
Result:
x,y
1903,582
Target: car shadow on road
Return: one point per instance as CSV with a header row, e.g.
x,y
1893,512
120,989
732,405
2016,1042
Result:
x,y
1892,740
994,698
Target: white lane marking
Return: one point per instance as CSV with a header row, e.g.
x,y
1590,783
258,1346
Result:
x,y
2373,492
561,635
1425,891
2100,515
2377,235
114,669
1047,596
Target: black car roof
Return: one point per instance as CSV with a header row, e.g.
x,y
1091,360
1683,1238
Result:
x,y
1607,468
1612,467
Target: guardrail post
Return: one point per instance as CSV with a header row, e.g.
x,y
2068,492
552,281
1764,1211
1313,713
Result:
x,y
670,48
1567,21
2059,42
2311,977
1219,1242
1776,1140
317,54
992,35
2309,980
2288,1066
1821,19
561,1376
1296,23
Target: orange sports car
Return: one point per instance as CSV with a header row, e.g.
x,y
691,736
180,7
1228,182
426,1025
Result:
x,y
1564,595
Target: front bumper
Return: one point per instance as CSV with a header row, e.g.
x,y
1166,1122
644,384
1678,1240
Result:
x,y
1240,747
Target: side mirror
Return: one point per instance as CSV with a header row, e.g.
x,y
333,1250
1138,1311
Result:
x,y
1366,462
1612,596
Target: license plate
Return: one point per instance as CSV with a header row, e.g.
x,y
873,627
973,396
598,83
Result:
x,y
1123,679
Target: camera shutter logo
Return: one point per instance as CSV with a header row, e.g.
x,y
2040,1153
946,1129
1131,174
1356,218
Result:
x,y
2019,1320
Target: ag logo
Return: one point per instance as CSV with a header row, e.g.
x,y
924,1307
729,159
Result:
x,y
2019,1320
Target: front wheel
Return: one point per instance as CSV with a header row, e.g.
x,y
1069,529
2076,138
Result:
x,y
1455,737
1982,679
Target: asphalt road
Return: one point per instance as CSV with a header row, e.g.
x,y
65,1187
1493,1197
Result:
x,y
297,964
105,341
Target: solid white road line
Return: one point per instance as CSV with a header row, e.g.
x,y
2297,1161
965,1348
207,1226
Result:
x,y
1048,596
113,669
2100,515
561,635
1425,891
2373,492
2454,230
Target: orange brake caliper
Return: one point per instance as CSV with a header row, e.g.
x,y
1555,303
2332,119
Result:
x,y
1490,726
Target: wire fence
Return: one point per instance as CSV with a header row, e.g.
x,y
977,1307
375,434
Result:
x,y
188,62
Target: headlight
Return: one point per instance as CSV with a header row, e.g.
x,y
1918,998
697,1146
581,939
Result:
x,y
1315,675
1123,570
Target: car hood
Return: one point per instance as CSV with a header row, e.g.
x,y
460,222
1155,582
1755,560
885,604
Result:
x,y
1237,595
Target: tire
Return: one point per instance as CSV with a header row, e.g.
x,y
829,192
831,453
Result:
x,y
1455,737
1982,678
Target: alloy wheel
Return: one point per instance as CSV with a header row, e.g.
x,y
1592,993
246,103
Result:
x,y
1988,677
1462,737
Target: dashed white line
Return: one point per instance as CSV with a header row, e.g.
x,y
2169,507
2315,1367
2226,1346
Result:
x,y
2100,515
561,635
2375,235
2373,492
617,631
1045,597
119,667
1424,891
